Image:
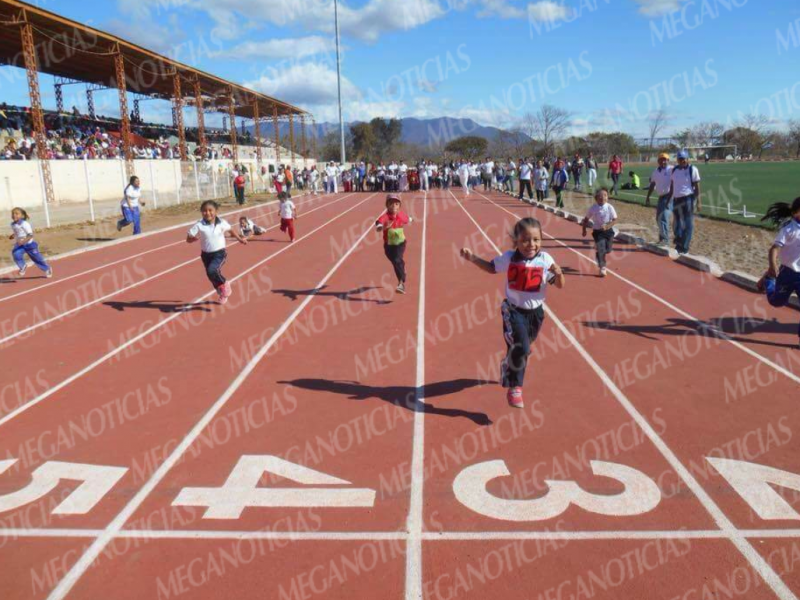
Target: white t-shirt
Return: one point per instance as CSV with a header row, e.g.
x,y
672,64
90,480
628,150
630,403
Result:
x,y
248,226
541,176
525,172
682,180
486,168
526,279
662,178
789,242
403,167
601,215
287,209
131,196
21,229
212,235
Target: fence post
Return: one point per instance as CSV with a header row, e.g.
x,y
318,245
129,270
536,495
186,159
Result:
x,y
214,178
44,193
88,187
153,183
122,172
176,165
196,181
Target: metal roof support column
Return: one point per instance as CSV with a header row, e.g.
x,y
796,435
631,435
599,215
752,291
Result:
x,y
122,88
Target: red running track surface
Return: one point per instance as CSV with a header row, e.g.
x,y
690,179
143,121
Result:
x,y
322,436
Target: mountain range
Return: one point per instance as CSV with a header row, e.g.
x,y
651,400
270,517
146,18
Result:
x,y
423,132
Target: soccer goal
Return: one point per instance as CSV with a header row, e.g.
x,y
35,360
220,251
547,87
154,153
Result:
x,y
721,152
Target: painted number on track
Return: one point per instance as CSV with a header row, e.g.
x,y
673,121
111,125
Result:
x,y
640,495
97,481
753,482
241,490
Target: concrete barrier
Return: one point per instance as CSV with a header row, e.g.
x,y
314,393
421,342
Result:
x,y
700,263
661,250
742,280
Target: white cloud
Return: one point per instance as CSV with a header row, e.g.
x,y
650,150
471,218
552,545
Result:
x,y
502,9
294,48
548,11
308,84
377,17
656,8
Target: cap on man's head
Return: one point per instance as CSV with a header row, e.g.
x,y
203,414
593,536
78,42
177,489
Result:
x,y
683,154
663,155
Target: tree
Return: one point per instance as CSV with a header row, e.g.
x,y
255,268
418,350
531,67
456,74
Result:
x,y
387,133
707,133
468,146
656,123
794,135
547,125
757,124
364,140
747,140
329,148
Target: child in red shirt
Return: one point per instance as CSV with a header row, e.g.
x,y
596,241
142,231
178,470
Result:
x,y
394,238
238,187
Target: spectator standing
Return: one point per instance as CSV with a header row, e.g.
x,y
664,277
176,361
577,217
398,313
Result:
x,y
686,200
661,184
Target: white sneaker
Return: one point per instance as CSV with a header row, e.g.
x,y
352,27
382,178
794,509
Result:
x,y
21,272
49,273
603,271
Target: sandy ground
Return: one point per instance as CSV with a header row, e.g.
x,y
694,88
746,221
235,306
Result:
x,y
64,238
732,246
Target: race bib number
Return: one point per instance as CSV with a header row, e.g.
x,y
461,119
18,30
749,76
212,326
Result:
x,y
525,279
395,237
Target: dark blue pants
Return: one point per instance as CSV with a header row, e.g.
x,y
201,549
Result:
x,y
520,329
683,222
32,250
131,215
781,289
213,262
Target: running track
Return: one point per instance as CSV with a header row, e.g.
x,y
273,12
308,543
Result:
x,y
320,436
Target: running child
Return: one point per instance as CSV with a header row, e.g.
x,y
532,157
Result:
x,y
394,238
247,228
288,214
25,244
783,275
210,231
529,271
559,181
601,217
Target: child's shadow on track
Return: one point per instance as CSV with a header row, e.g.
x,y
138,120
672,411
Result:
x,y
736,328
349,296
399,395
164,306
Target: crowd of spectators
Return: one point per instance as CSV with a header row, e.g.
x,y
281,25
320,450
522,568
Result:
x,y
76,136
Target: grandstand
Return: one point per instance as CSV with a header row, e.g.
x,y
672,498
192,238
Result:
x,y
40,41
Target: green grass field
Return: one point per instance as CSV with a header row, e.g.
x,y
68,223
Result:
x,y
754,185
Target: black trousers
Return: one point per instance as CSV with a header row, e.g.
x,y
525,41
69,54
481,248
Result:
x,y
213,262
520,329
525,184
395,255
603,241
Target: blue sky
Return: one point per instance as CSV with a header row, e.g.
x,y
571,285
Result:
x,y
612,63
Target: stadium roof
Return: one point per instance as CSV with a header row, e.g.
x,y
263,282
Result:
x,y
69,49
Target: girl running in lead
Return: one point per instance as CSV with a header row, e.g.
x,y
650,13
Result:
x,y
782,278
25,244
601,217
394,238
131,199
210,231
528,271
288,214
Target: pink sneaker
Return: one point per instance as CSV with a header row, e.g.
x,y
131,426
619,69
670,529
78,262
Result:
x,y
515,397
228,290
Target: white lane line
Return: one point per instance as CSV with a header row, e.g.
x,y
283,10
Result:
x,y
66,313
678,534
33,402
414,521
114,528
710,327
59,280
265,535
756,561
133,238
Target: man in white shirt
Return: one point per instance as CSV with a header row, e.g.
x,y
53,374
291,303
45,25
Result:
x,y
486,174
685,200
463,177
661,184
525,172
330,171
